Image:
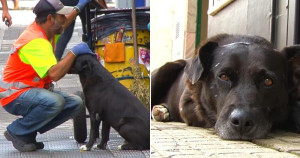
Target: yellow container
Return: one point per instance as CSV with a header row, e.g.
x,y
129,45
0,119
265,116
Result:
x,y
122,71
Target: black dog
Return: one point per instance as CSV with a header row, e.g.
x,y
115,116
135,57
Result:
x,y
235,83
110,102
293,56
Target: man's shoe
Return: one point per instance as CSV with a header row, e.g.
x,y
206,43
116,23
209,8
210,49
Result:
x,y
31,138
39,145
18,143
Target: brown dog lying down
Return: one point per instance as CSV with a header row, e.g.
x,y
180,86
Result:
x,y
110,102
234,83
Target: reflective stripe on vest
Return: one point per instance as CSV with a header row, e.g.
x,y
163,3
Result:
x,y
13,87
7,93
17,85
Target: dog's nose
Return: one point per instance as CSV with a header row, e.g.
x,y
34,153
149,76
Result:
x,y
241,121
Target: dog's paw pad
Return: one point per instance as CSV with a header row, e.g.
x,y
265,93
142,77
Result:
x,y
160,113
83,148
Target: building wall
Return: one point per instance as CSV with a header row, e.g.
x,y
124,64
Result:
x,y
204,21
252,17
286,24
172,29
161,32
191,29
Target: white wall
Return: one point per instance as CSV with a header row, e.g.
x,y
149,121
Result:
x,y
161,32
165,15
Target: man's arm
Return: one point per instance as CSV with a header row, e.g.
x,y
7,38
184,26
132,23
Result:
x,y
5,13
59,70
72,16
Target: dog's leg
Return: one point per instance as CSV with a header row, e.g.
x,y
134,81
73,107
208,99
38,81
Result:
x,y
98,125
93,133
104,135
188,109
96,131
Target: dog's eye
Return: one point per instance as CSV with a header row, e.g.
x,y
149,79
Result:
x,y
268,82
224,77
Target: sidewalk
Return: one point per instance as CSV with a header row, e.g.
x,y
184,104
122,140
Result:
x,y
23,4
176,140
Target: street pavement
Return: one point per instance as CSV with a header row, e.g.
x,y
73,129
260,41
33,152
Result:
x,y
176,140
60,141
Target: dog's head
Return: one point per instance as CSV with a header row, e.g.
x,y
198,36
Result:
x,y
243,85
83,65
90,70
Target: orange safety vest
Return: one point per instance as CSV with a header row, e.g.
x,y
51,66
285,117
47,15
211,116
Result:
x,y
18,77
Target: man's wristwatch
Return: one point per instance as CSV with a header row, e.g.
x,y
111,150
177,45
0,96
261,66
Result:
x,y
77,10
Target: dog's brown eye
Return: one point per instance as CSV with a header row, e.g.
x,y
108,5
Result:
x,y
268,82
224,77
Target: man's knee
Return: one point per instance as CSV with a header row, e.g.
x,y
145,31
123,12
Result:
x,y
57,104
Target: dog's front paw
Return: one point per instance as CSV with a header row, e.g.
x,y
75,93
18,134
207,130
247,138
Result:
x,y
160,113
84,148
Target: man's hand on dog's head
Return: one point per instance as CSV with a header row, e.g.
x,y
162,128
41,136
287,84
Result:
x,y
82,48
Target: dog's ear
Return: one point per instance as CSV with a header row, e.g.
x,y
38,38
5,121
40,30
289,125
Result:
x,y
291,51
87,68
201,62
